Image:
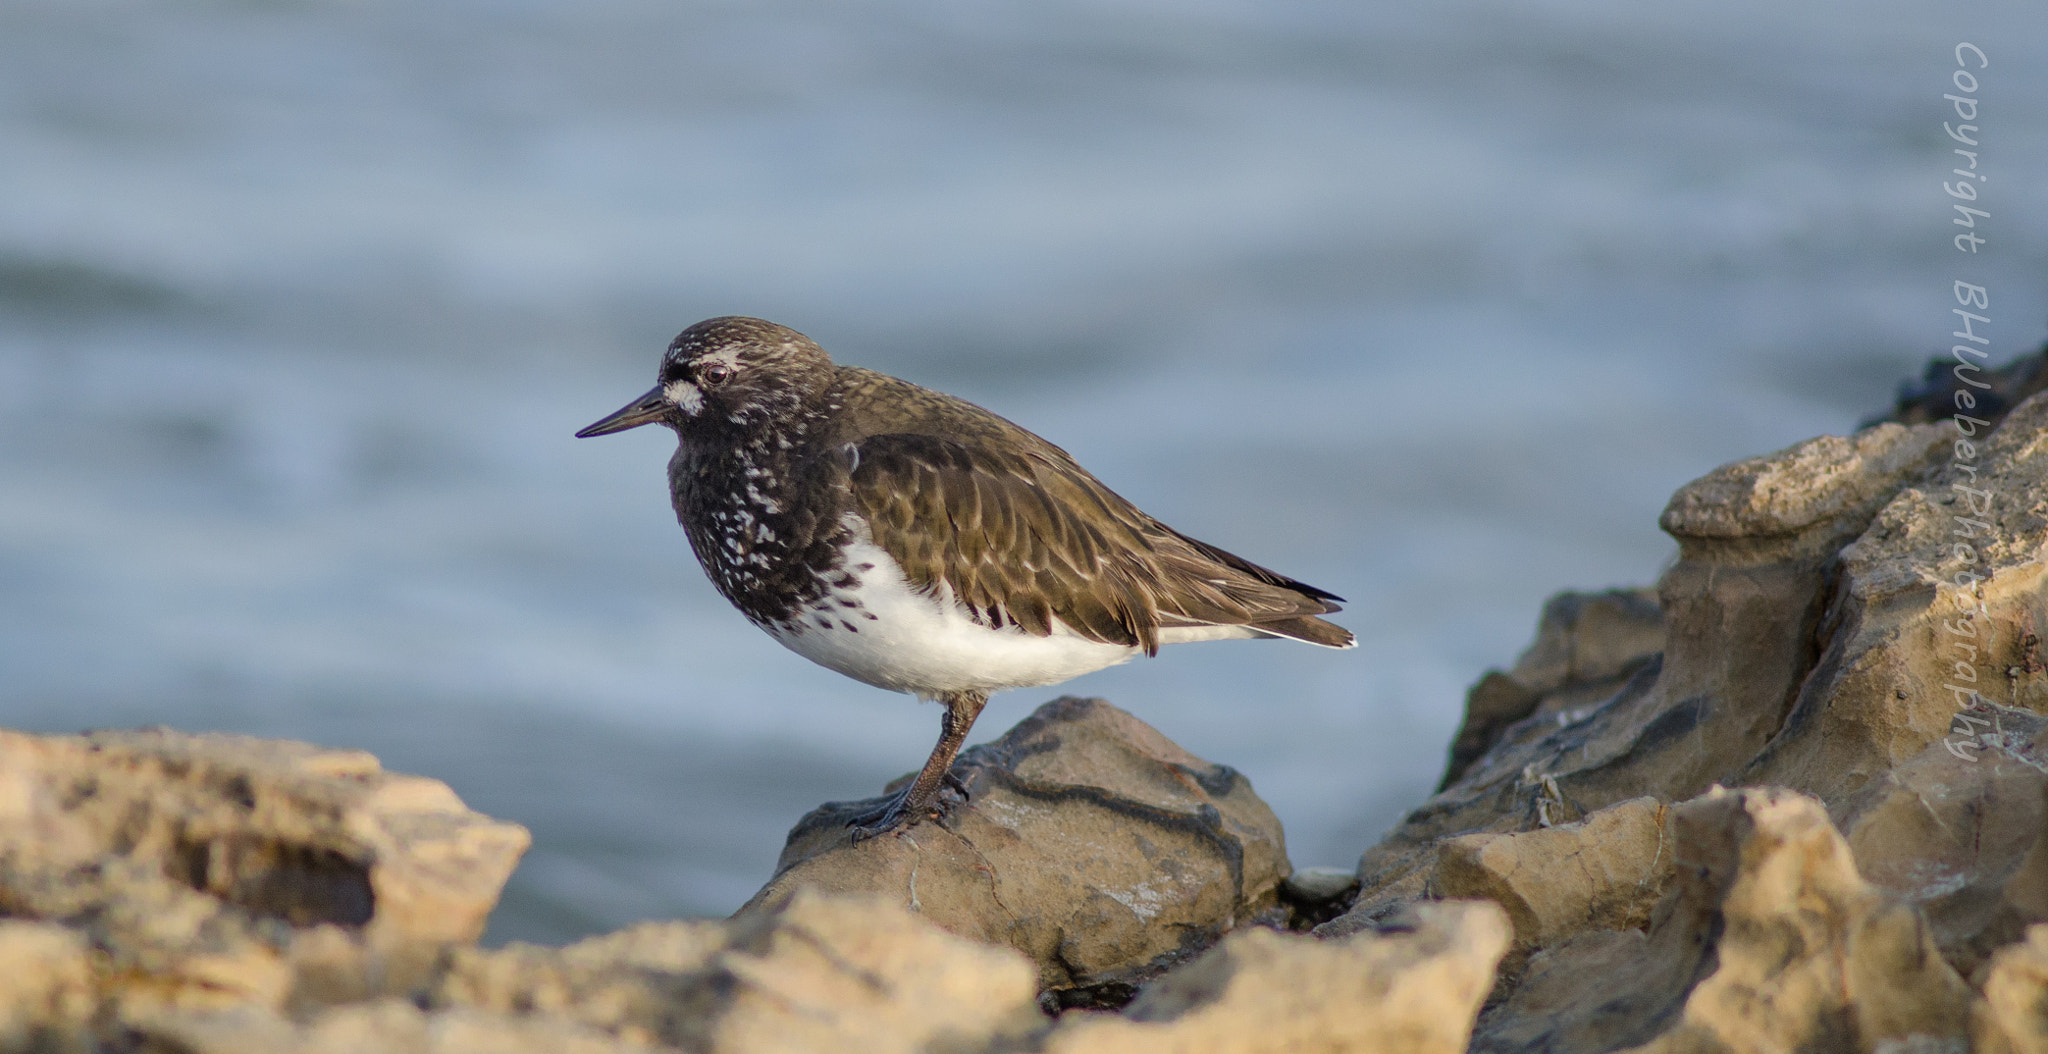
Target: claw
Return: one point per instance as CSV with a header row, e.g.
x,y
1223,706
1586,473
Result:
x,y
892,815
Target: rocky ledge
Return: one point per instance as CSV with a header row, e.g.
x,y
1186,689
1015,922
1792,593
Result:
x,y
1794,798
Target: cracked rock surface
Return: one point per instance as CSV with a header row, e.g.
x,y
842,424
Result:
x,y
1090,843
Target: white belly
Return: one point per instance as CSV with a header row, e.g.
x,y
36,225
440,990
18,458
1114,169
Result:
x,y
886,634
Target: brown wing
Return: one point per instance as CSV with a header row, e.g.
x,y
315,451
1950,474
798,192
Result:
x,y
1027,536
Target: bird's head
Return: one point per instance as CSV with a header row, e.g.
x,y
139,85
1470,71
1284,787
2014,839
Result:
x,y
723,374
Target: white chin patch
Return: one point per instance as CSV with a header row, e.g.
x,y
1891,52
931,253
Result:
x,y
687,397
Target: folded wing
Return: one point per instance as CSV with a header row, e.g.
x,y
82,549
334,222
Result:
x,y
1024,537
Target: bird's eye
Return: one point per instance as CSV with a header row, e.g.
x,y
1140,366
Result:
x,y
714,374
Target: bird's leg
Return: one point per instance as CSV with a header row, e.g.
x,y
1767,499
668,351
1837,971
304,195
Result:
x,y
913,803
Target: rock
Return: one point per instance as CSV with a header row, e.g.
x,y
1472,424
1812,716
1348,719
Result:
x,y
1751,610
1603,872
813,973
47,990
1091,843
2012,1018
1934,605
209,872
385,1026
1963,834
1768,941
1587,646
1409,989
1317,884
1315,895
1854,619
809,973
1989,394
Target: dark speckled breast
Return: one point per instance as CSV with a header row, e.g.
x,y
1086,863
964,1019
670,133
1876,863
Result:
x,y
765,523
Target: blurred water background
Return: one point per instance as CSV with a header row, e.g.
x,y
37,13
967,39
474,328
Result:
x,y
1430,305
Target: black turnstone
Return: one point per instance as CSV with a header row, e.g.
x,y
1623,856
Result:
x,y
920,543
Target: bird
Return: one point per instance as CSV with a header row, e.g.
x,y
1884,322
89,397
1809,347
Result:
x,y
919,543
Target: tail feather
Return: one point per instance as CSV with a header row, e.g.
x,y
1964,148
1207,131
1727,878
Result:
x,y
1310,630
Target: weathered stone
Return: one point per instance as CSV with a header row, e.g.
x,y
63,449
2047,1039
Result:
x,y
211,871
1590,638
1410,989
47,989
1603,872
1937,600
2012,1018
383,1026
1090,842
1587,646
809,973
1963,833
1742,608
1769,941
812,974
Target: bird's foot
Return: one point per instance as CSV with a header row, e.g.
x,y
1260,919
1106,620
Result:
x,y
892,816
898,812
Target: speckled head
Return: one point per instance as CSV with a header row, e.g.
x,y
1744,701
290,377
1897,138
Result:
x,y
726,373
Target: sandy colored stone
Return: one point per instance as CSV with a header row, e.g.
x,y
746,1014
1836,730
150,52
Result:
x,y
1757,632
1815,493
1768,942
812,973
1938,598
383,1026
1410,989
1963,833
1603,872
2012,1017
47,989
211,871
1091,843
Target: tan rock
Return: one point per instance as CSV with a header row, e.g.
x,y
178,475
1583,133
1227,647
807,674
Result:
x,y
1412,989
383,1026
1091,843
2012,1018
1603,872
810,973
1768,942
211,871
47,989
1937,599
1744,607
1963,834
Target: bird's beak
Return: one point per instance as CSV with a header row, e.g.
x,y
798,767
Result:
x,y
645,410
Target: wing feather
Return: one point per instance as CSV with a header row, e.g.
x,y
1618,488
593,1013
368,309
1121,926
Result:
x,y
1030,537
